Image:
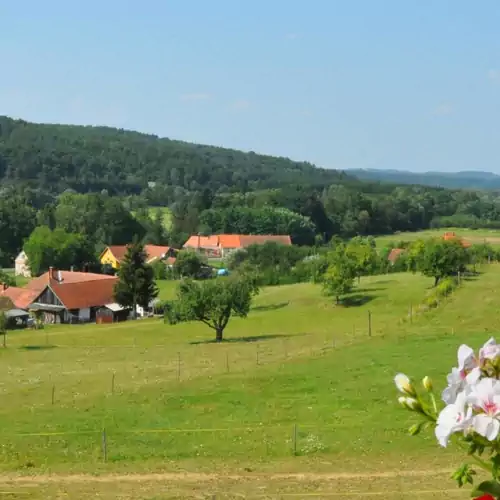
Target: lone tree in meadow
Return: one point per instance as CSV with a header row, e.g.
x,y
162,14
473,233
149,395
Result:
x,y
338,277
441,258
136,284
212,302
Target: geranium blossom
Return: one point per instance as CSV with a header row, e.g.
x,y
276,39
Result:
x,y
467,373
489,351
485,399
454,418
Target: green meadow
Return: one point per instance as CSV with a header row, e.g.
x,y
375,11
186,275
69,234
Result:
x,y
297,402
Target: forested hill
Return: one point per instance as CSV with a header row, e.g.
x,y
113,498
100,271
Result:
x,y
54,158
453,180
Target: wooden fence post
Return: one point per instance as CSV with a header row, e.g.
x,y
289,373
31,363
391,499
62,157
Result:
x,y
294,439
369,323
104,446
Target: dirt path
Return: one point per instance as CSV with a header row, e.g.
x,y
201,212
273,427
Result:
x,y
205,477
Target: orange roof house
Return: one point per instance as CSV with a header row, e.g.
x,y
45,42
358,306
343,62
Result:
x,y
394,255
451,236
220,244
67,296
114,254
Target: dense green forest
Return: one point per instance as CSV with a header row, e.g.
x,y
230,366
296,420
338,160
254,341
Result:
x,y
452,180
101,183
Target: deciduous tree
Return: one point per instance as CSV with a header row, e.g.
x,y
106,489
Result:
x,y
212,302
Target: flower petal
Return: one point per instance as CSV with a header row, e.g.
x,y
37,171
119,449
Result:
x,y
486,426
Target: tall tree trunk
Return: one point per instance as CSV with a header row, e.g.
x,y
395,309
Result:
x,y
337,299
218,334
436,280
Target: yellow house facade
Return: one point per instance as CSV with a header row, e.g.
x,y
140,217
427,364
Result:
x,y
112,256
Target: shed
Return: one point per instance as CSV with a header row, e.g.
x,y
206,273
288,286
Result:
x,y
17,318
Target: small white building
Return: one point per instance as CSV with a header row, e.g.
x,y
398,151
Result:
x,y
21,265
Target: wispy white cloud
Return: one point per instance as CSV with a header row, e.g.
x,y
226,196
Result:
x,y
494,75
196,96
240,105
292,36
444,109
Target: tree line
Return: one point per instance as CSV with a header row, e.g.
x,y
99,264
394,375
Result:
x,y
101,183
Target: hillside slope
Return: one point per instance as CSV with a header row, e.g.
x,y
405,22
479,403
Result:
x,y
57,157
451,180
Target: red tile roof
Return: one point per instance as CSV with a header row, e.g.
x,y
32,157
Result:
x,y
20,297
394,254
118,251
451,235
86,293
77,290
234,240
156,251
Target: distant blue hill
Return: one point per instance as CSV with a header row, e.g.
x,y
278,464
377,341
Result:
x,y
453,180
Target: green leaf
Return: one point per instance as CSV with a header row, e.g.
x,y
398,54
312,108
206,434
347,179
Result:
x,y
416,428
490,487
464,475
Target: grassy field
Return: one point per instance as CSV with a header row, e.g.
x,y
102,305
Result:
x,y
491,236
220,419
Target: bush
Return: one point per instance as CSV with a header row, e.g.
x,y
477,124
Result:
x,y
159,270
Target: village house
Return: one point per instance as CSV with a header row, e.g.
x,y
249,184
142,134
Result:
x,y
221,245
114,255
21,267
452,236
67,296
394,255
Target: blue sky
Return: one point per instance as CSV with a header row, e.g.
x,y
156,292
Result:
x,y
407,84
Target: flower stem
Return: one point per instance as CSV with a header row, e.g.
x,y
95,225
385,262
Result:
x,y
434,405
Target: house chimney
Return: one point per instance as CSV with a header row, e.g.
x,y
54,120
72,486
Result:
x,y
72,269
59,276
51,273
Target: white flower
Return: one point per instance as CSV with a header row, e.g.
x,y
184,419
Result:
x,y
489,351
454,418
485,398
467,373
466,359
403,384
409,403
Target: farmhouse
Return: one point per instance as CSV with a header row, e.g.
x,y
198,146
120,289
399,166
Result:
x,y
114,255
451,235
220,245
65,296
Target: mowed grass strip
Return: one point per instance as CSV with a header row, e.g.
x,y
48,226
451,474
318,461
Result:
x,y
342,399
